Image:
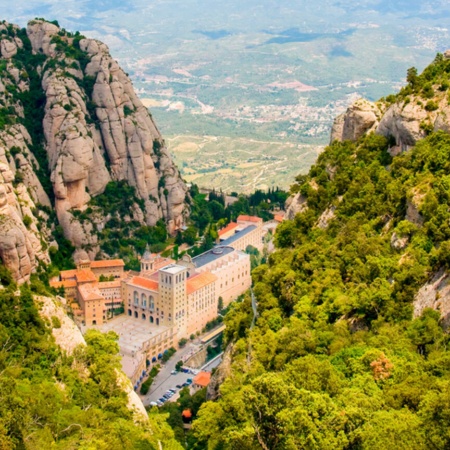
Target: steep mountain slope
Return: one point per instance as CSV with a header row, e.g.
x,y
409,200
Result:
x,y
61,390
71,127
344,353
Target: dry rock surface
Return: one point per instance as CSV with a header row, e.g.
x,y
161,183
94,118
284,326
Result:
x,y
94,131
435,294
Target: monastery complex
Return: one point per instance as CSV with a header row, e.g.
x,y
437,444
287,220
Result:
x,y
174,299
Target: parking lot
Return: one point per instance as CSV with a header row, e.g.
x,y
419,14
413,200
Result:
x,y
165,380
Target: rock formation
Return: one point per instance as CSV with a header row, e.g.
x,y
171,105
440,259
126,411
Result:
x,y
92,130
408,119
360,118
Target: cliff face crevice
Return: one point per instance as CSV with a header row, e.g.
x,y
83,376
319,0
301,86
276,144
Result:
x,y
70,124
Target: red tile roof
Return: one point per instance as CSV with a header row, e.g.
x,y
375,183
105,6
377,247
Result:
x,y
249,219
202,379
198,281
68,274
107,263
85,276
145,283
229,227
63,283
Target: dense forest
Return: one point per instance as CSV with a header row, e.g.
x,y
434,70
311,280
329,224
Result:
x,y
337,359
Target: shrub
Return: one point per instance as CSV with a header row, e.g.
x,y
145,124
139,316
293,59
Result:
x,y
27,221
56,323
431,106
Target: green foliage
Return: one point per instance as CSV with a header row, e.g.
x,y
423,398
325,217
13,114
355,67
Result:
x,y
182,342
335,359
54,400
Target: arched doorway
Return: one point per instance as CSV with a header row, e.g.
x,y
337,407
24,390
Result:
x,y
143,317
129,312
157,321
151,319
136,314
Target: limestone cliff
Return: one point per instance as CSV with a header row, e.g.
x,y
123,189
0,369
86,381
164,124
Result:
x,y
70,125
420,107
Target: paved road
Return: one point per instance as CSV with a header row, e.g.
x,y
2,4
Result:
x,y
164,380
208,367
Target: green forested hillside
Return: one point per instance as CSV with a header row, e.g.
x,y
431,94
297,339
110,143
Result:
x,y
336,360
51,400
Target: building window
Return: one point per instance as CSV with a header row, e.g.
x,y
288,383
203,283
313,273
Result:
x,y
144,300
152,303
151,319
136,298
143,317
135,314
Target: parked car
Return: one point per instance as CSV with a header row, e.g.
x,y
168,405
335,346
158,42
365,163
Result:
x,y
189,380
174,372
183,369
153,404
162,399
179,386
185,384
173,391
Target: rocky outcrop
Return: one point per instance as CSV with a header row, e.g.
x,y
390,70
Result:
x,y
325,218
360,118
405,121
20,245
105,135
294,205
399,242
94,130
67,335
222,372
435,294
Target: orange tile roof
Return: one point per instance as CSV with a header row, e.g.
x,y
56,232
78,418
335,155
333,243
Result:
x,y
109,284
249,218
63,283
198,281
229,227
279,217
85,276
107,263
202,379
145,283
68,274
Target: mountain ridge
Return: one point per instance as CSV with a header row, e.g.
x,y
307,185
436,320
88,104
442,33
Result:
x,y
71,125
